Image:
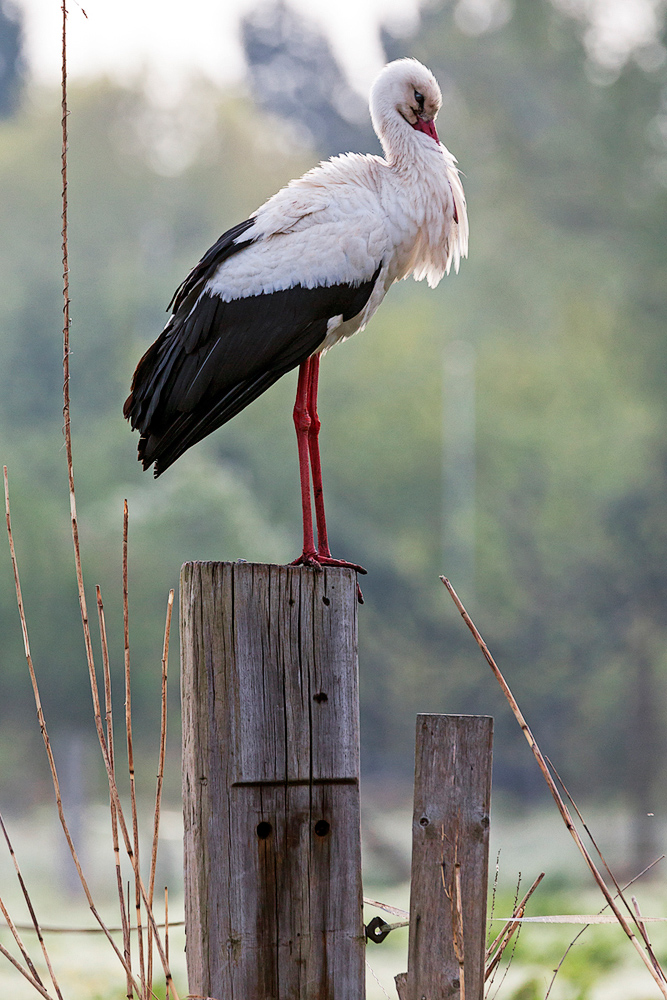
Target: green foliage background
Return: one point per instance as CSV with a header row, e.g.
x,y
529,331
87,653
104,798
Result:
x,y
564,301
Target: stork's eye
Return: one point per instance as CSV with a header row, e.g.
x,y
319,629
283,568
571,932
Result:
x,y
419,98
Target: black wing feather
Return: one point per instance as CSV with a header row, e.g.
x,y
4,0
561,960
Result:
x,y
226,246
214,358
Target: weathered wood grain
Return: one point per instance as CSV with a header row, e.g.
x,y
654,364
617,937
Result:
x,y
401,981
450,828
271,782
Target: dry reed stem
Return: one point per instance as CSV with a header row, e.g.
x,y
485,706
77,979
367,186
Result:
x,y
496,876
130,752
33,917
642,927
514,947
24,889
397,912
129,851
619,891
658,976
166,933
17,937
160,776
51,929
508,931
108,705
515,914
66,356
113,788
638,914
24,972
77,553
586,926
106,672
129,988
43,729
66,416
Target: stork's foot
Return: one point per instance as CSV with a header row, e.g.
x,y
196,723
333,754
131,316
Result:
x,y
317,560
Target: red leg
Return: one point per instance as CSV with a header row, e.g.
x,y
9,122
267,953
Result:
x,y
315,463
324,556
302,424
307,425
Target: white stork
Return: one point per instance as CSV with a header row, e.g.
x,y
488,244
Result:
x,y
308,269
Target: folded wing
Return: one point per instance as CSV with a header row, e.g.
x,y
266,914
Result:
x,y
214,357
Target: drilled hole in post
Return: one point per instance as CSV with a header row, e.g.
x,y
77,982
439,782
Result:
x,y
264,830
325,600
322,828
424,821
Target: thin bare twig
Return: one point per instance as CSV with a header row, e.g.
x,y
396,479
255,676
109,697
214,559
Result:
x,y
658,976
515,906
507,967
24,972
68,434
43,729
33,917
113,788
80,586
619,891
130,853
166,935
494,952
17,937
496,876
127,951
640,923
397,911
160,776
66,356
130,753
586,926
52,929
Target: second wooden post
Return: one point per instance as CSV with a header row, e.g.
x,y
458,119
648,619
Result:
x,y
450,859
273,898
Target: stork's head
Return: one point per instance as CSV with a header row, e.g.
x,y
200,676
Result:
x,y
405,89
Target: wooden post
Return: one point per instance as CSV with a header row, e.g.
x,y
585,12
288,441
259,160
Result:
x,y
273,898
450,859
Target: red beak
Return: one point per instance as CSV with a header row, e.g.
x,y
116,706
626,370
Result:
x,y
427,127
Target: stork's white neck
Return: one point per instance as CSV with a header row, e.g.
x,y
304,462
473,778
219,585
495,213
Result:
x,y
405,148
424,197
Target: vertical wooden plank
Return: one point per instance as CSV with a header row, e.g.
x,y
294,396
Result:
x,y
271,782
450,832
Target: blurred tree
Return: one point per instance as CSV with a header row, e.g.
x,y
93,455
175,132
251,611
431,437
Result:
x,y
11,62
295,75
